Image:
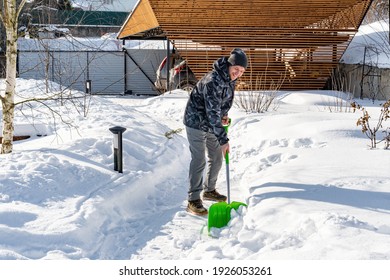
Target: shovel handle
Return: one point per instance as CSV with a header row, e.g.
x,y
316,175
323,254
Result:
x,y
227,163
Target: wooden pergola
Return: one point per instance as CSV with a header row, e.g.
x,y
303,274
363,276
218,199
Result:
x,y
291,44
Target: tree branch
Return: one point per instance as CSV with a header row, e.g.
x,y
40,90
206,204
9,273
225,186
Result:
x,y
21,5
53,98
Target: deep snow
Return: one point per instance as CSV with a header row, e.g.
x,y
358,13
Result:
x,y
314,188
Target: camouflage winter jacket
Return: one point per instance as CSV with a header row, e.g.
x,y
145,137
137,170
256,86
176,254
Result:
x,y
210,100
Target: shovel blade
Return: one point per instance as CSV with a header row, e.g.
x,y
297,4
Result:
x,y
219,213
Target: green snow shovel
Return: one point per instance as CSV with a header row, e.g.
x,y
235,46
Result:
x,y
219,213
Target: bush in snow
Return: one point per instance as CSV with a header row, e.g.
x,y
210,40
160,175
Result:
x,y
370,132
260,99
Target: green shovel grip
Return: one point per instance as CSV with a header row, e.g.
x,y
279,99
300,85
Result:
x,y
227,157
226,127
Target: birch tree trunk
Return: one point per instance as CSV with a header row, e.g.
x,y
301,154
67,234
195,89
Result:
x,y
9,17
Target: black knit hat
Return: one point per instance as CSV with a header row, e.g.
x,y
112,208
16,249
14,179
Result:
x,y
238,57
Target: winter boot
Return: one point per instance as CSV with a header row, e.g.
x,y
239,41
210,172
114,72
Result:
x,y
196,207
214,196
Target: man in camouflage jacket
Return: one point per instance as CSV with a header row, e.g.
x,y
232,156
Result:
x,y
205,114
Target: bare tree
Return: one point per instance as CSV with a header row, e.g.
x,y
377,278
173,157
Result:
x,y
10,12
9,17
379,9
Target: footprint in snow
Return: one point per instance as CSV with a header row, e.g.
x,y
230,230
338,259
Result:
x,y
303,143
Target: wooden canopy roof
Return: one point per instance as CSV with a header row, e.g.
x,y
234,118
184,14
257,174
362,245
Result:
x,y
294,44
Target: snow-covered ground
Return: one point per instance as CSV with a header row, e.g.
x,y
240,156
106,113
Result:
x,y
314,188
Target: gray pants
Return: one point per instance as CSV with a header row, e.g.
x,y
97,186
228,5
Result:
x,y
201,142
